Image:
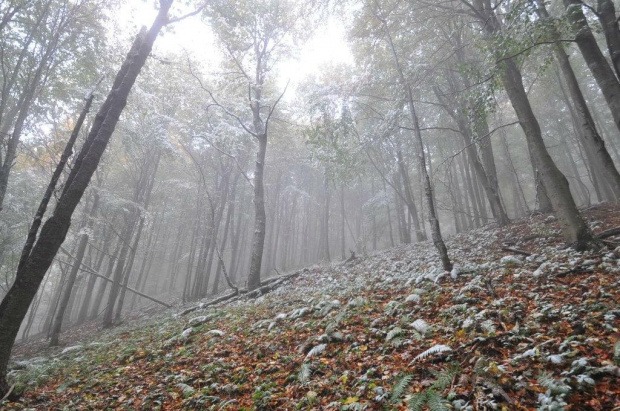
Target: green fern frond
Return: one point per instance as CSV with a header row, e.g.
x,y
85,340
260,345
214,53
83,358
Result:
x,y
546,380
395,333
417,401
400,387
436,401
445,377
397,342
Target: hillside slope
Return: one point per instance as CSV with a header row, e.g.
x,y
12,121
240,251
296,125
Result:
x,y
387,331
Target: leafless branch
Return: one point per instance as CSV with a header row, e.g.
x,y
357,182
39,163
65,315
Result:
x,y
272,109
183,17
231,156
219,105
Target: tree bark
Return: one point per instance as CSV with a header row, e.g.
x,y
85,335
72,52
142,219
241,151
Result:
x,y
15,304
490,185
68,289
592,139
421,156
596,61
410,203
258,242
555,185
609,21
325,226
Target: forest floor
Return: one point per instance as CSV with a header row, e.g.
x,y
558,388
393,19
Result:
x,y
387,331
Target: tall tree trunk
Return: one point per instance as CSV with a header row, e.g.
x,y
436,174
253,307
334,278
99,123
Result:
x,y
190,264
273,236
151,172
426,181
478,194
457,202
609,21
217,222
325,224
94,311
470,190
234,254
127,273
468,219
520,202
592,163
148,255
593,142
77,262
388,213
410,203
258,242
574,228
90,287
119,269
490,184
597,63
403,228
229,215
15,304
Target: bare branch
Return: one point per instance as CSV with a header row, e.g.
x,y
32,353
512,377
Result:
x,y
271,109
219,105
183,17
234,158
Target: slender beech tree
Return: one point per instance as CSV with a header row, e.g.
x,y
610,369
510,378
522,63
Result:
x,y
255,36
419,145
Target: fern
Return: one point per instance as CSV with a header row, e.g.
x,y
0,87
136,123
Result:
x,y
188,391
444,378
395,332
400,387
488,326
435,349
316,351
435,401
304,373
430,398
397,342
417,401
420,326
546,379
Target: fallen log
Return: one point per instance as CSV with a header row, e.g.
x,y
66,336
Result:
x,y
516,251
92,271
266,287
608,233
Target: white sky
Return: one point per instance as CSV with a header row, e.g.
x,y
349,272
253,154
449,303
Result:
x,y
328,45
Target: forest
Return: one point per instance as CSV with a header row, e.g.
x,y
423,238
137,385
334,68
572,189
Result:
x,y
310,204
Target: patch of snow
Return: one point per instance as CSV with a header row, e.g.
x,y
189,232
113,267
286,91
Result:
x,y
413,298
71,349
420,326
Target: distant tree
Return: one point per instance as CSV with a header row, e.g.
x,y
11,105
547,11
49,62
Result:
x,y
255,36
